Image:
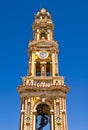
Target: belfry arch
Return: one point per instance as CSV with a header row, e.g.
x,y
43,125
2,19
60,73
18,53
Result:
x,y
43,102
43,115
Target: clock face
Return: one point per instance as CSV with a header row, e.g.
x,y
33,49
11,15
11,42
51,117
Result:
x,y
43,54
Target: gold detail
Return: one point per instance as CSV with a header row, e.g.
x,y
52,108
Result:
x,y
35,99
36,56
43,10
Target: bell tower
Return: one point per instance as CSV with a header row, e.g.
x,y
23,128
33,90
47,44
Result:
x,y
43,92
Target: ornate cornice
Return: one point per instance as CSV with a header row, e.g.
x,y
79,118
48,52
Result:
x,y
57,91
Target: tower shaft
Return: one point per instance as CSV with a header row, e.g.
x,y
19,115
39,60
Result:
x,y
43,92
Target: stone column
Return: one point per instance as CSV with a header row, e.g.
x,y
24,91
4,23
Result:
x,y
34,120
33,58
28,106
57,107
50,68
52,121
22,116
58,113
56,63
29,69
37,34
43,68
53,64
35,68
64,115
49,35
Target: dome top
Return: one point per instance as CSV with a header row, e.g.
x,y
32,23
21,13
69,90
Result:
x,y
43,13
43,20
43,10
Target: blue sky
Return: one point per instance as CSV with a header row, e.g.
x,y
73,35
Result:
x,y
71,31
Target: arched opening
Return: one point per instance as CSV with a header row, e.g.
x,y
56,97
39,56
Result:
x,y
43,35
43,117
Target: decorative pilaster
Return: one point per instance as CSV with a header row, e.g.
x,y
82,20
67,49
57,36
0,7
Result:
x,y
34,120
55,114
25,112
32,71
28,106
31,114
64,118
53,64
22,115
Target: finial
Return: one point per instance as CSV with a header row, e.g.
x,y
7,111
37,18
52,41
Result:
x,y
43,10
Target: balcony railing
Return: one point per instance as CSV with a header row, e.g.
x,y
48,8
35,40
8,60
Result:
x,y
43,81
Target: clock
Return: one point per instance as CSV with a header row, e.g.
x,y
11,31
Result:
x,y
43,54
